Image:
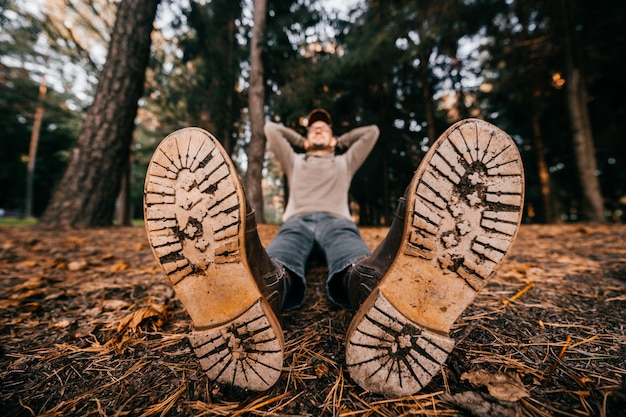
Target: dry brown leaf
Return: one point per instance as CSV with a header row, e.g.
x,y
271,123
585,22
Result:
x,y
84,330
61,324
535,273
503,386
131,322
77,265
114,305
151,270
8,303
54,295
120,266
321,370
93,312
76,239
480,406
28,294
30,263
34,282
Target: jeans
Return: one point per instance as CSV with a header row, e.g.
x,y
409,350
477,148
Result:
x,y
338,239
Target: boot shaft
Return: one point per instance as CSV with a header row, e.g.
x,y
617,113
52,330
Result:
x,y
270,276
367,271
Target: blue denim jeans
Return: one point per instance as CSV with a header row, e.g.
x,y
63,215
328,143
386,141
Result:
x,y
337,238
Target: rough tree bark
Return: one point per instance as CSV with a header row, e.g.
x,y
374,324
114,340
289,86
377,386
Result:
x,y
592,205
256,103
85,196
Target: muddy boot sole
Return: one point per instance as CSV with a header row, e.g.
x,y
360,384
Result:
x,y
463,210
195,214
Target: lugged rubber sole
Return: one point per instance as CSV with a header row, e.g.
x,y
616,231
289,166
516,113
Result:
x,y
195,212
464,207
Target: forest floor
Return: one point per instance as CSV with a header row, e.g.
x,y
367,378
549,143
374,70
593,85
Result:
x,y
90,326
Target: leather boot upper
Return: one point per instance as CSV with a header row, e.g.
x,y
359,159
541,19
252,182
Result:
x,y
270,276
368,271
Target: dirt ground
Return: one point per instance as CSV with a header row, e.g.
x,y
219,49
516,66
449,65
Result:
x,y
89,326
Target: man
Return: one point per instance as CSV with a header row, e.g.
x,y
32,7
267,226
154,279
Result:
x,y
317,213
453,226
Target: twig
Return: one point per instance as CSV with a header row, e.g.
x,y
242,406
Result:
x,y
519,293
558,359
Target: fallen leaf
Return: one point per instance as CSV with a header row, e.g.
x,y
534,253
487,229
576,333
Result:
x,y
93,312
321,370
8,303
132,321
480,405
62,323
535,274
84,330
77,265
30,283
120,266
36,293
114,305
77,240
503,386
28,264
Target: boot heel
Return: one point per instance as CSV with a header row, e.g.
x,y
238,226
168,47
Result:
x,y
391,355
246,352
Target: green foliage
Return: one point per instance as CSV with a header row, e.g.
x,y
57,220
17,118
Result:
x,y
411,67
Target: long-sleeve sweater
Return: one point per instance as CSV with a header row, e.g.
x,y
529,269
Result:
x,y
319,183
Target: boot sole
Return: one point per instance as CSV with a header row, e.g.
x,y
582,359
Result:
x,y
464,207
195,212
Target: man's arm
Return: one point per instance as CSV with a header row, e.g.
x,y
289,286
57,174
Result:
x,y
359,142
282,140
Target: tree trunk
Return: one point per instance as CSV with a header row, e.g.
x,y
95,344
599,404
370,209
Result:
x,y
256,103
593,207
227,134
427,97
34,143
85,196
542,166
124,200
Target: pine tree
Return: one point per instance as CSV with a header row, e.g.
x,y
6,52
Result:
x,y
86,194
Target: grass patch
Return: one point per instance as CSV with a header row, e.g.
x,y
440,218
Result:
x,y
18,221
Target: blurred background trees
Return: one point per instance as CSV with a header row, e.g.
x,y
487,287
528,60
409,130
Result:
x,y
548,72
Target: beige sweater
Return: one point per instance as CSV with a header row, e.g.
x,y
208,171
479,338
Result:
x,y
319,183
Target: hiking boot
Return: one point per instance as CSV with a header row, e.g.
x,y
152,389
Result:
x,y
463,210
197,225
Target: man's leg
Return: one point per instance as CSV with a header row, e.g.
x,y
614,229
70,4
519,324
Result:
x,y
292,246
342,245
461,214
203,235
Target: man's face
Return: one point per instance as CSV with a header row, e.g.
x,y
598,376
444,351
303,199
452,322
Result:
x,y
320,135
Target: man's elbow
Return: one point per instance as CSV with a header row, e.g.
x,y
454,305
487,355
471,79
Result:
x,y
269,128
